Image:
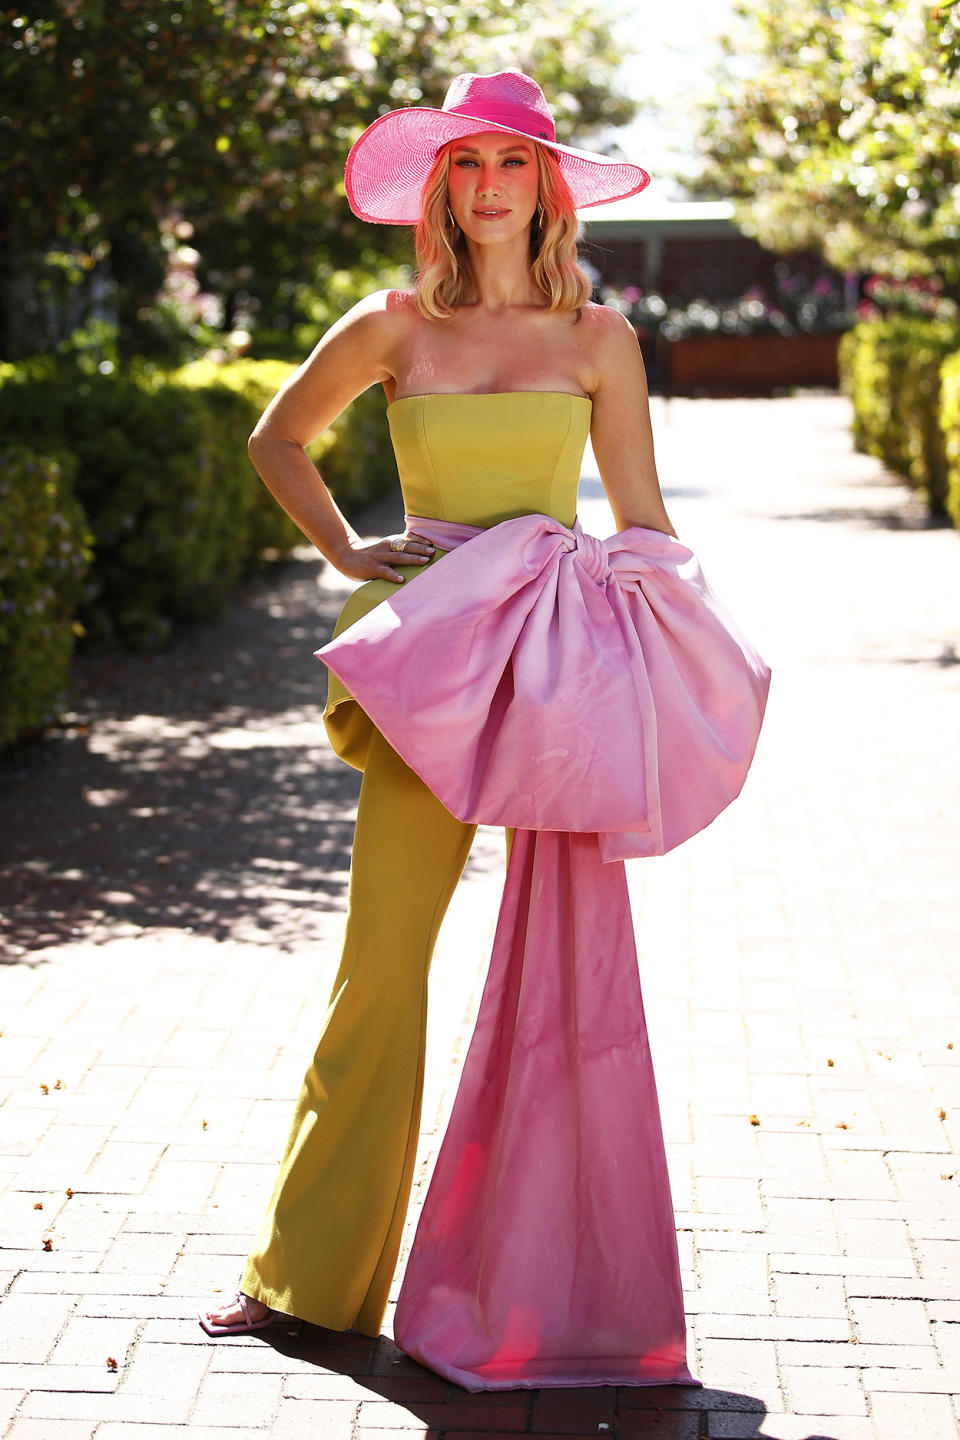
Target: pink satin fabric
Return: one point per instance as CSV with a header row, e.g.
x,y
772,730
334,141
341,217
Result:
x,y
594,695
546,1251
540,678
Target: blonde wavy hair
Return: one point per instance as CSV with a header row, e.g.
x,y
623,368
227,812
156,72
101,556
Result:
x,y
444,274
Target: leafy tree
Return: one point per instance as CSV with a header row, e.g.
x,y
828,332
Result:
x,y
232,118
834,123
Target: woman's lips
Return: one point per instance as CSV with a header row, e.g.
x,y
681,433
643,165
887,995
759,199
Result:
x,y
490,214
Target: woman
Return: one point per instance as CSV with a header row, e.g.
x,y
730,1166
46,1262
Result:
x,y
496,367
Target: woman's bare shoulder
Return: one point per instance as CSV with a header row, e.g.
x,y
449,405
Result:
x,y
609,343
383,311
605,325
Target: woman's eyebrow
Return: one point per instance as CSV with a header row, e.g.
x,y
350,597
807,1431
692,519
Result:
x,y
502,150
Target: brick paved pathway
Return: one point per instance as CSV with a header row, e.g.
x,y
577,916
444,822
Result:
x,y
173,894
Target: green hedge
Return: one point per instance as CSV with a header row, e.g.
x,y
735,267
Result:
x,y
44,554
890,368
236,395
355,455
166,489
950,428
162,472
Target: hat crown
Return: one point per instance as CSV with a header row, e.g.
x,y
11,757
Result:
x,y
507,98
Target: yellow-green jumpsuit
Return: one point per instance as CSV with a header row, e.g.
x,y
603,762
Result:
x,y
328,1245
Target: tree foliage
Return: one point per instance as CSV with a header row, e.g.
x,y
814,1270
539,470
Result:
x,y
836,124
234,117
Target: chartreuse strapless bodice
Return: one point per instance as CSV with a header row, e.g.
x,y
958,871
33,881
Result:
x,y
473,459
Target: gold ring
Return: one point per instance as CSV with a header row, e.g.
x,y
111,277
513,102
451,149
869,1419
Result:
x,y
396,544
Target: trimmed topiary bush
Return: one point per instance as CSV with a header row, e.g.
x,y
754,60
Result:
x,y
44,554
890,368
950,430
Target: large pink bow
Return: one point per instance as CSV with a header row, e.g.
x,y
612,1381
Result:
x,y
540,678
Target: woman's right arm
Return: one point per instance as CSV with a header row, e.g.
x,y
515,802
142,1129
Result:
x,y
355,353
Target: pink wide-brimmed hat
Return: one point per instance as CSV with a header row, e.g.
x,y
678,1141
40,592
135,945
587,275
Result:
x,y
388,164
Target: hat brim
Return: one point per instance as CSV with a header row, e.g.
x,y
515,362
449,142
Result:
x,y
389,163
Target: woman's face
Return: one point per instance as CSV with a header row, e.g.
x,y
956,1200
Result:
x,y
493,186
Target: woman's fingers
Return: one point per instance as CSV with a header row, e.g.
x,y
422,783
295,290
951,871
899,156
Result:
x,y
409,548
376,561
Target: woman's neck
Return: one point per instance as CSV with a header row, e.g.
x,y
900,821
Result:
x,y
502,276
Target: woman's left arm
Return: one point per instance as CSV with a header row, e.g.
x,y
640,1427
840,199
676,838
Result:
x,y
620,429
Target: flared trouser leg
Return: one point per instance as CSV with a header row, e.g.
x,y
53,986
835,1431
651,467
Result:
x,y
329,1242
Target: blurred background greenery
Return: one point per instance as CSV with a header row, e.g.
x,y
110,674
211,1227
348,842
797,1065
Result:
x,y
175,236
152,144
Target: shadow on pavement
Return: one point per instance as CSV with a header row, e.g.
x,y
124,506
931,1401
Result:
x,y
669,1412
901,518
194,788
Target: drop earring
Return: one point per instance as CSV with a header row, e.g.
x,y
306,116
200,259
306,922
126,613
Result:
x,y
541,214
453,223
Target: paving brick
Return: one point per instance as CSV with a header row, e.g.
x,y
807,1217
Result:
x,y
654,1425
89,1282
774,1327
120,1169
30,1326
166,1373
749,1366
415,1427
733,1425
573,1410
400,1389
890,1322
809,1295
934,1379
44,1405
454,1415
303,1419
137,1430
92,1376
87,1341
733,1281
26,1429
832,1390
10,1401
913,1417
844,1353
235,1399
